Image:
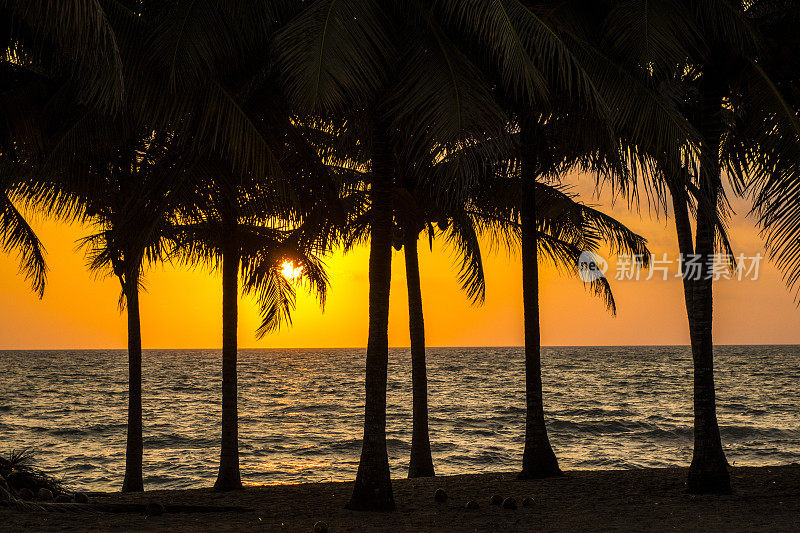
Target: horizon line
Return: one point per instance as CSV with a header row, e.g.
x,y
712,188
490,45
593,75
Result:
x,y
390,347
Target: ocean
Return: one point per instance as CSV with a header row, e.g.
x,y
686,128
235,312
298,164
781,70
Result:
x,y
301,411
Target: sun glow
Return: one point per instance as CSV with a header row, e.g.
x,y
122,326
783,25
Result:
x,y
289,271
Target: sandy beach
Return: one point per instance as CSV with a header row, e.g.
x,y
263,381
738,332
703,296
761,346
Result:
x,y
764,499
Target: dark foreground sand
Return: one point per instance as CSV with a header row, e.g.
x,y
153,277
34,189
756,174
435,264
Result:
x,y
765,499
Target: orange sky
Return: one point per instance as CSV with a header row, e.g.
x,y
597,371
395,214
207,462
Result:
x,y
182,308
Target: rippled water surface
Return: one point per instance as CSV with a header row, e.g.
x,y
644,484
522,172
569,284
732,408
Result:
x,y
301,410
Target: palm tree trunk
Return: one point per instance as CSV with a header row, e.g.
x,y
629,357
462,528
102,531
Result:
x,y
538,459
683,229
229,477
372,490
421,464
708,472
134,449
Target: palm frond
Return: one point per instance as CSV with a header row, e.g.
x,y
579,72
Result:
x,y
17,237
335,54
461,235
564,255
75,38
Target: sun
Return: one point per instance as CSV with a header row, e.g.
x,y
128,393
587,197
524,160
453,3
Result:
x,y
289,271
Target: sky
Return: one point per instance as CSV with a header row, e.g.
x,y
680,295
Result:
x,y
181,307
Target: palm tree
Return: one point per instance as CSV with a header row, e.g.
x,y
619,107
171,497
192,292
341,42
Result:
x,y
67,65
130,207
548,223
709,64
127,188
460,232
421,461
252,240
125,178
381,65
545,149
647,42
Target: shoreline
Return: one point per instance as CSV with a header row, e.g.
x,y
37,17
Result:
x,y
764,498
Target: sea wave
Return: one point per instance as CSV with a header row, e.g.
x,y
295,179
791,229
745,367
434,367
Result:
x,y
301,411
